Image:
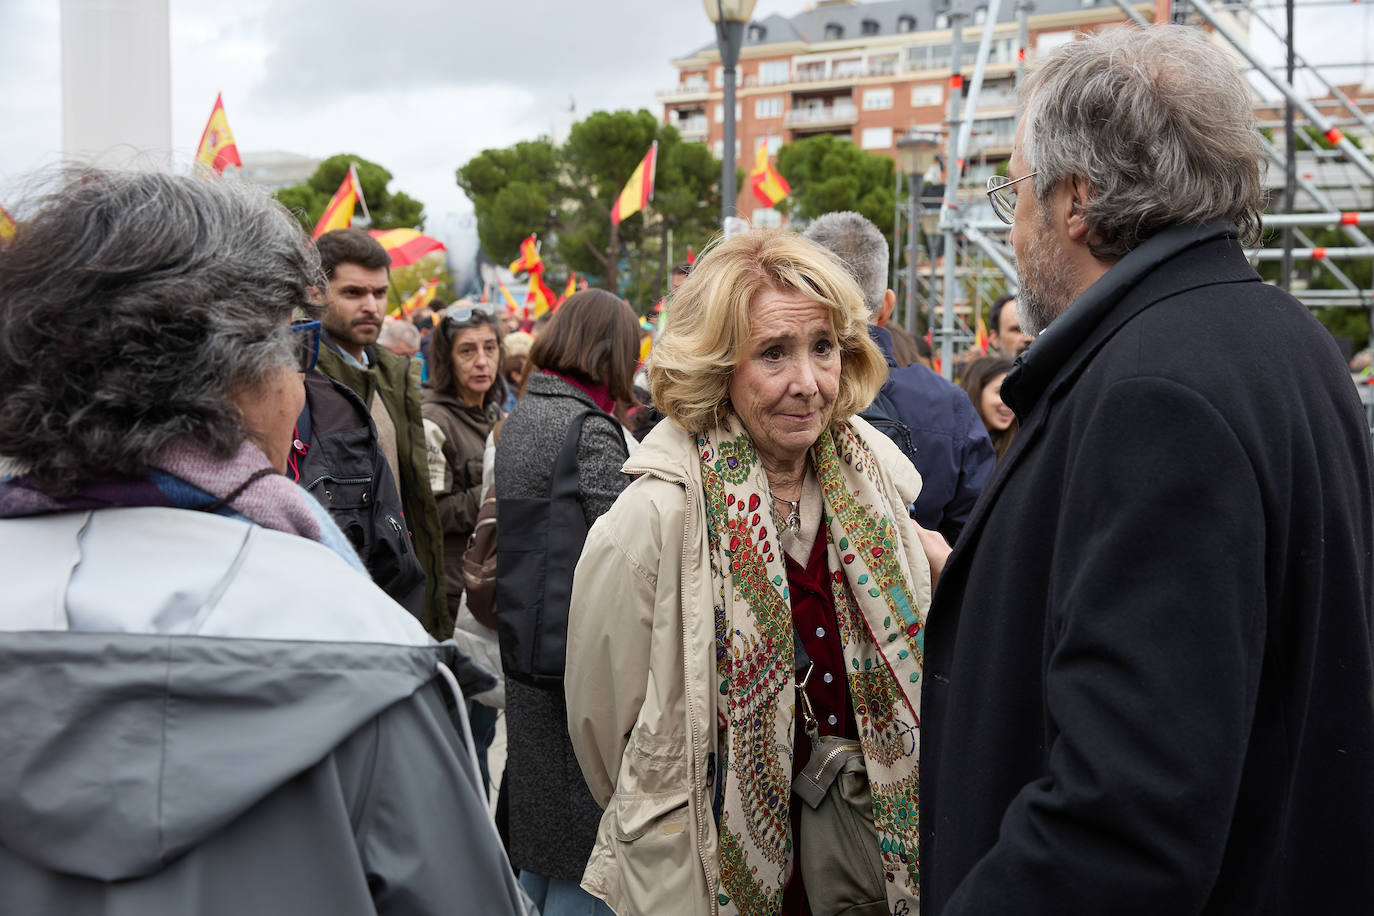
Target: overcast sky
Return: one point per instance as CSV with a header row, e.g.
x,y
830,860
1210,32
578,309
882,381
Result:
x,y
421,86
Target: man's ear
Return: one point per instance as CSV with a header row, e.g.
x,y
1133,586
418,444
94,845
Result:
x,y
885,313
1080,192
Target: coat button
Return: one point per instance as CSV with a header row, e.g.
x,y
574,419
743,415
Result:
x,y
831,719
820,631
829,677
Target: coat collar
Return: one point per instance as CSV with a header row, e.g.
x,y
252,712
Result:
x,y
1202,255
1057,354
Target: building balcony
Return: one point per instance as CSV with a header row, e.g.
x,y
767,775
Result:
x,y
694,131
684,92
841,115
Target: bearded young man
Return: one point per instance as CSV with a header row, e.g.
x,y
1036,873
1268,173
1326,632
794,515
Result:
x,y
1148,664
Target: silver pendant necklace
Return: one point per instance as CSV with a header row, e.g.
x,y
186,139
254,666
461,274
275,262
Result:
x,y
793,521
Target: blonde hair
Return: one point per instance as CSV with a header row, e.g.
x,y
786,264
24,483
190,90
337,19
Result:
x,y
708,325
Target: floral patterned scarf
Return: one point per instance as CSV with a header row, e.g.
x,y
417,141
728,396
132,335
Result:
x,y
880,606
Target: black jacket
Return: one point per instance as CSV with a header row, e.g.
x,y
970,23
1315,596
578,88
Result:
x,y
339,462
1148,661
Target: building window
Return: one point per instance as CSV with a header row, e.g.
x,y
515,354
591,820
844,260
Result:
x,y
833,31
926,95
767,219
877,99
772,72
906,23
876,138
757,32
720,113
720,77
980,15
718,147
774,142
883,66
942,20
928,57
850,67
770,107
868,27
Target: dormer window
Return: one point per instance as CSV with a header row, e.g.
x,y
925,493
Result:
x,y
906,23
869,27
833,31
757,32
942,20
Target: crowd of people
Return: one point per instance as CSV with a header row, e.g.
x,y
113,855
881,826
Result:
x,y
778,620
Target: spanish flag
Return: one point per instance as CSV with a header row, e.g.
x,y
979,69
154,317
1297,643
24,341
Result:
x,y
639,190
529,257
418,299
339,212
570,288
540,295
769,186
8,227
980,338
217,147
406,246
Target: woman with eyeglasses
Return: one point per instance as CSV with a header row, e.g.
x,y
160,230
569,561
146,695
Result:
x,y
463,403
581,365
207,707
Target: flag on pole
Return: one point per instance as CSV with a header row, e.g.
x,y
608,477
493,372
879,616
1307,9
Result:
x,y
980,338
570,288
769,186
529,259
418,299
338,214
8,227
217,147
406,246
639,190
510,300
540,296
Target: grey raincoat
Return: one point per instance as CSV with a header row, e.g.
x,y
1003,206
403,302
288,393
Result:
x,y
202,716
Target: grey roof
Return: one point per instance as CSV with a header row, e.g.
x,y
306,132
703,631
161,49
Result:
x,y
810,25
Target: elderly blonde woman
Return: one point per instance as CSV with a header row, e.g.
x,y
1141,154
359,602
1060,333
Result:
x,y
764,512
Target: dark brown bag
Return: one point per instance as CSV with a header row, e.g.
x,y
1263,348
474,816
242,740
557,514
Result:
x,y
479,565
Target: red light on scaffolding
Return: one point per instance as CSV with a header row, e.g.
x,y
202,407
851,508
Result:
x,y
1021,52
1334,137
956,81
1350,219
1318,253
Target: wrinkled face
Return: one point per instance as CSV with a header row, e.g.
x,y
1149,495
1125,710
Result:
x,y
1011,340
269,410
996,415
476,357
1046,284
357,305
784,387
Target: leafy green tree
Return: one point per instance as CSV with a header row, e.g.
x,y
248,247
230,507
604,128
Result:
x,y
513,192
829,173
389,209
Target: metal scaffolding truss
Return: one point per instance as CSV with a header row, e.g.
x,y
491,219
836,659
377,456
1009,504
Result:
x,y
1333,187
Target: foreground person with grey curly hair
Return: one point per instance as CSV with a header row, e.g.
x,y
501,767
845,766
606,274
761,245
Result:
x,y
1149,666
207,706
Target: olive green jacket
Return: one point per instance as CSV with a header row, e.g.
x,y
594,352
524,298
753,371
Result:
x,y
396,380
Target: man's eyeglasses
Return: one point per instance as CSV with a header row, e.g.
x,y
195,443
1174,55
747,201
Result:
x,y
1002,196
306,340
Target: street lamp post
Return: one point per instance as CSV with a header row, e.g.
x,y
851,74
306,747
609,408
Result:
x,y
730,17
915,155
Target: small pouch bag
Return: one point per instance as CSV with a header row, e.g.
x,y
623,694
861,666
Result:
x,y
837,848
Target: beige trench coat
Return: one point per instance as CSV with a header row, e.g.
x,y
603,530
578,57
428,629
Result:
x,y
641,676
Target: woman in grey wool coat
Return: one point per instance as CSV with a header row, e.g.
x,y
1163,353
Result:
x,y
585,358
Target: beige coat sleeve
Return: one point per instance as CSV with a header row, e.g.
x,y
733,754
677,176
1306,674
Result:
x,y
610,625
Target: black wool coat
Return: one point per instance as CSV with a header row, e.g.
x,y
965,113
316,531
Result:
x,y
1149,685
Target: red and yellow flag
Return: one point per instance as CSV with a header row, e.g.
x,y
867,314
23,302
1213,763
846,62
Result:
x,y
639,190
416,300
529,257
406,246
540,296
769,186
217,147
570,288
980,337
338,214
8,227
510,300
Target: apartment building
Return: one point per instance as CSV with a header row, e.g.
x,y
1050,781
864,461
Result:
x,y
871,72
